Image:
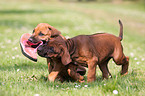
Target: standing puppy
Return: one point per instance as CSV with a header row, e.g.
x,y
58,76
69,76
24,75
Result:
x,y
89,51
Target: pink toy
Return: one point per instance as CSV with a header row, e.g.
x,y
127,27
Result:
x,y
28,48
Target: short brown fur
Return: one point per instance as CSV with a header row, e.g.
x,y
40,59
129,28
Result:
x,y
89,51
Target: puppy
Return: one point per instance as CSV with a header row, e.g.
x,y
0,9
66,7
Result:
x,y
89,51
65,73
45,32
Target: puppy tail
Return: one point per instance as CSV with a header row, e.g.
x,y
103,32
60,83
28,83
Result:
x,y
121,30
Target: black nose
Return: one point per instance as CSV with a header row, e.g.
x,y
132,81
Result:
x,y
43,41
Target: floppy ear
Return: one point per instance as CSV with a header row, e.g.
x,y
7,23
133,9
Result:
x,y
65,57
54,32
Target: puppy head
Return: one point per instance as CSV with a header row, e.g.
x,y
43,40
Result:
x,y
43,32
55,48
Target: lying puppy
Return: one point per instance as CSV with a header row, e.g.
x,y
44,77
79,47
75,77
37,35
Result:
x,y
88,51
44,32
64,73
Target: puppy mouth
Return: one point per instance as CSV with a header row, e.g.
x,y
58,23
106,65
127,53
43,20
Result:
x,y
34,45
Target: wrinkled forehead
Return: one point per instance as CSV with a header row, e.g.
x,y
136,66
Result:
x,y
55,42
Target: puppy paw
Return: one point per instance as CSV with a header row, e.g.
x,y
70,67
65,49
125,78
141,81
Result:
x,y
81,81
123,74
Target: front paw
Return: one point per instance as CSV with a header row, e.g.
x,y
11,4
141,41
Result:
x,y
50,79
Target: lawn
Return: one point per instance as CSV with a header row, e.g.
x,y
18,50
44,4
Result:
x,y
20,76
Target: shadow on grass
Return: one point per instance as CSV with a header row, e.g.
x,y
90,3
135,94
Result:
x,y
117,82
71,85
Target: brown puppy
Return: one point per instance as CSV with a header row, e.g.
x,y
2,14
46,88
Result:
x,y
44,32
89,51
65,73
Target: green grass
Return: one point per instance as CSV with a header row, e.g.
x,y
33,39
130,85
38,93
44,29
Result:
x,y
22,77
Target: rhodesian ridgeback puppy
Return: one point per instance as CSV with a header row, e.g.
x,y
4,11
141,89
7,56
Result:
x,y
88,51
45,32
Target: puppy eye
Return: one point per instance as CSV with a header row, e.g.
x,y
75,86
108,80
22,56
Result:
x,y
41,34
49,28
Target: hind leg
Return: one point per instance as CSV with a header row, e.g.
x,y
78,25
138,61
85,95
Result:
x,y
105,71
124,61
124,70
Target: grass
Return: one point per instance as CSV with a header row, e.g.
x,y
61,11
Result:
x,y
22,77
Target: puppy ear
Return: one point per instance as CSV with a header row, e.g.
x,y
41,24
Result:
x,y
65,57
54,32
